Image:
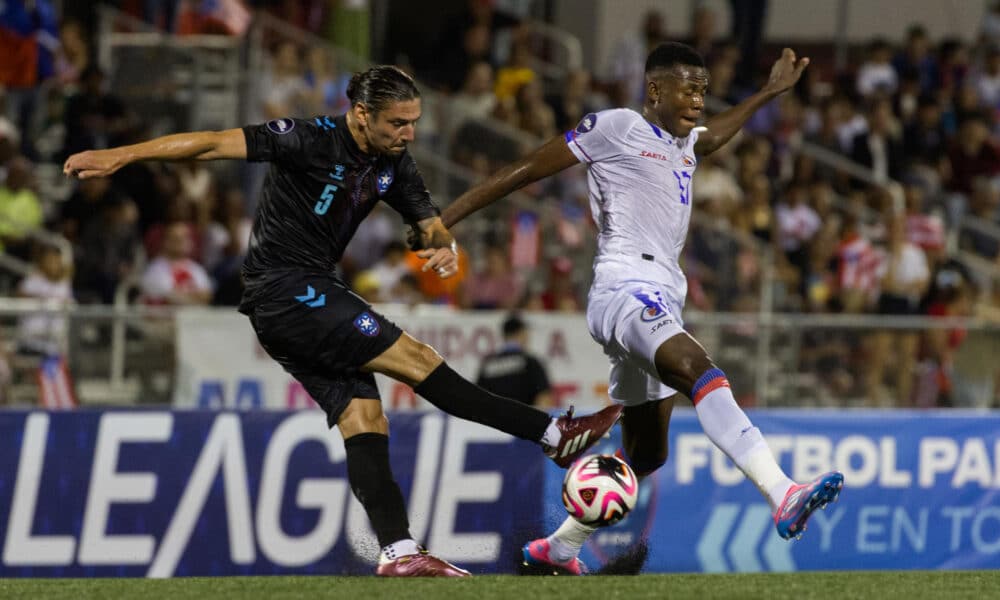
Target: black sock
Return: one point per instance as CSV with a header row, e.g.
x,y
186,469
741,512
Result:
x,y
455,395
370,476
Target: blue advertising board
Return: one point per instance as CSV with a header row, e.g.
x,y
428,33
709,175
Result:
x,y
160,494
922,491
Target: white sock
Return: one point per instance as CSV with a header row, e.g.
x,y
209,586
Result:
x,y
552,435
397,549
565,542
725,423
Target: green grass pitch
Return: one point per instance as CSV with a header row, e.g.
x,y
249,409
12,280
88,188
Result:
x,y
883,585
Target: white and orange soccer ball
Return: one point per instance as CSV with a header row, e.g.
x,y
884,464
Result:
x,y
599,490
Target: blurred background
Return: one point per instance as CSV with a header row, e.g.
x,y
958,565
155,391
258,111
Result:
x,y
844,249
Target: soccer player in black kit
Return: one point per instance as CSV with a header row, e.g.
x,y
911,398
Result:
x,y
326,174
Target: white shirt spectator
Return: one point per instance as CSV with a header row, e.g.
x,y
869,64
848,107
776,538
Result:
x,y
44,333
877,77
796,225
165,279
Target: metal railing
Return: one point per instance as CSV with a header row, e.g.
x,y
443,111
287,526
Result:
x,y
772,359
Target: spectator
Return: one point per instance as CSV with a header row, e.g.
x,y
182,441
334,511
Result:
x,y
496,285
453,66
534,115
476,100
924,230
983,205
924,139
285,92
85,205
327,87
703,30
880,149
434,289
626,66
44,333
73,56
575,100
108,249
858,264
951,295
987,80
560,293
916,57
972,154
953,66
95,118
513,372
365,248
515,73
797,224
225,245
366,285
391,268
173,277
20,208
904,280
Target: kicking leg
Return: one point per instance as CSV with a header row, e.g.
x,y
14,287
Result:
x,y
684,365
645,430
366,439
419,365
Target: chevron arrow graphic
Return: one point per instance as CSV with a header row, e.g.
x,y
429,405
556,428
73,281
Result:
x,y
309,295
742,550
738,542
317,302
713,538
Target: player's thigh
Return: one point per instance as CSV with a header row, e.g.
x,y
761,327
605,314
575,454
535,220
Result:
x,y
408,360
645,431
353,396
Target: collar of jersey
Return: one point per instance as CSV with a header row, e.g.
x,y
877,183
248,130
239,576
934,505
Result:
x,y
669,139
349,142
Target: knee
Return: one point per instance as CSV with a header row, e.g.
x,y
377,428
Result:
x,y
424,359
645,463
363,416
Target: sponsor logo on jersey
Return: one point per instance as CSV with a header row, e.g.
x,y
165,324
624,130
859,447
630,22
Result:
x,y
366,324
586,124
281,126
655,155
384,180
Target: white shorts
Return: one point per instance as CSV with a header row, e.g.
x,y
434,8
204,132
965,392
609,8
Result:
x,y
631,322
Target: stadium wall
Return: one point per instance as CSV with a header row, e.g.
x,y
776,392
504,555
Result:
x,y
162,494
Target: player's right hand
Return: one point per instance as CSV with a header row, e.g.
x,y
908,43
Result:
x,y
93,163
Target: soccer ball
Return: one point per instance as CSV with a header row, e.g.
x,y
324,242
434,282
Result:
x,y
599,490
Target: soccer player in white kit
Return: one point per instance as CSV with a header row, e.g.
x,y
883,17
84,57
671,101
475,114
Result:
x,y
639,171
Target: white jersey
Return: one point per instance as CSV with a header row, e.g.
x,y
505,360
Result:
x,y
640,196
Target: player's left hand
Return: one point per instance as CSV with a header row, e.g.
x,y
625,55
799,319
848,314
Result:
x,y
444,261
785,72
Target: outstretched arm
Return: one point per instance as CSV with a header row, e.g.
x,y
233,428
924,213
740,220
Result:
x,y
549,159
723,126
200,145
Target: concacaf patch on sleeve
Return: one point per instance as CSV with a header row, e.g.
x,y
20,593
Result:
x,y
281,126
366,324
587,123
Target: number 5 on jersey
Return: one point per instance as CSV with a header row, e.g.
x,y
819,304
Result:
x,y
323,204
684,183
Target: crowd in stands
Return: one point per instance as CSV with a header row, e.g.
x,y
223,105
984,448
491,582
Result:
x,y
922,114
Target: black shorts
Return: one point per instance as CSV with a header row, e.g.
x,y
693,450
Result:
x,y
322,333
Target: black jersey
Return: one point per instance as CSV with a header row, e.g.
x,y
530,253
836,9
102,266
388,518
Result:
x,y
319,188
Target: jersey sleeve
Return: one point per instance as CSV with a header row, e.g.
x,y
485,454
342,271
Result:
x,y
408,195
601,136
287,141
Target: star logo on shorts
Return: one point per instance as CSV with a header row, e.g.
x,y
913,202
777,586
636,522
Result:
x,y
367,324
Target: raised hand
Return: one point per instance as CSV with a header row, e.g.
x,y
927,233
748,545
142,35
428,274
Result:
x,y
785,72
